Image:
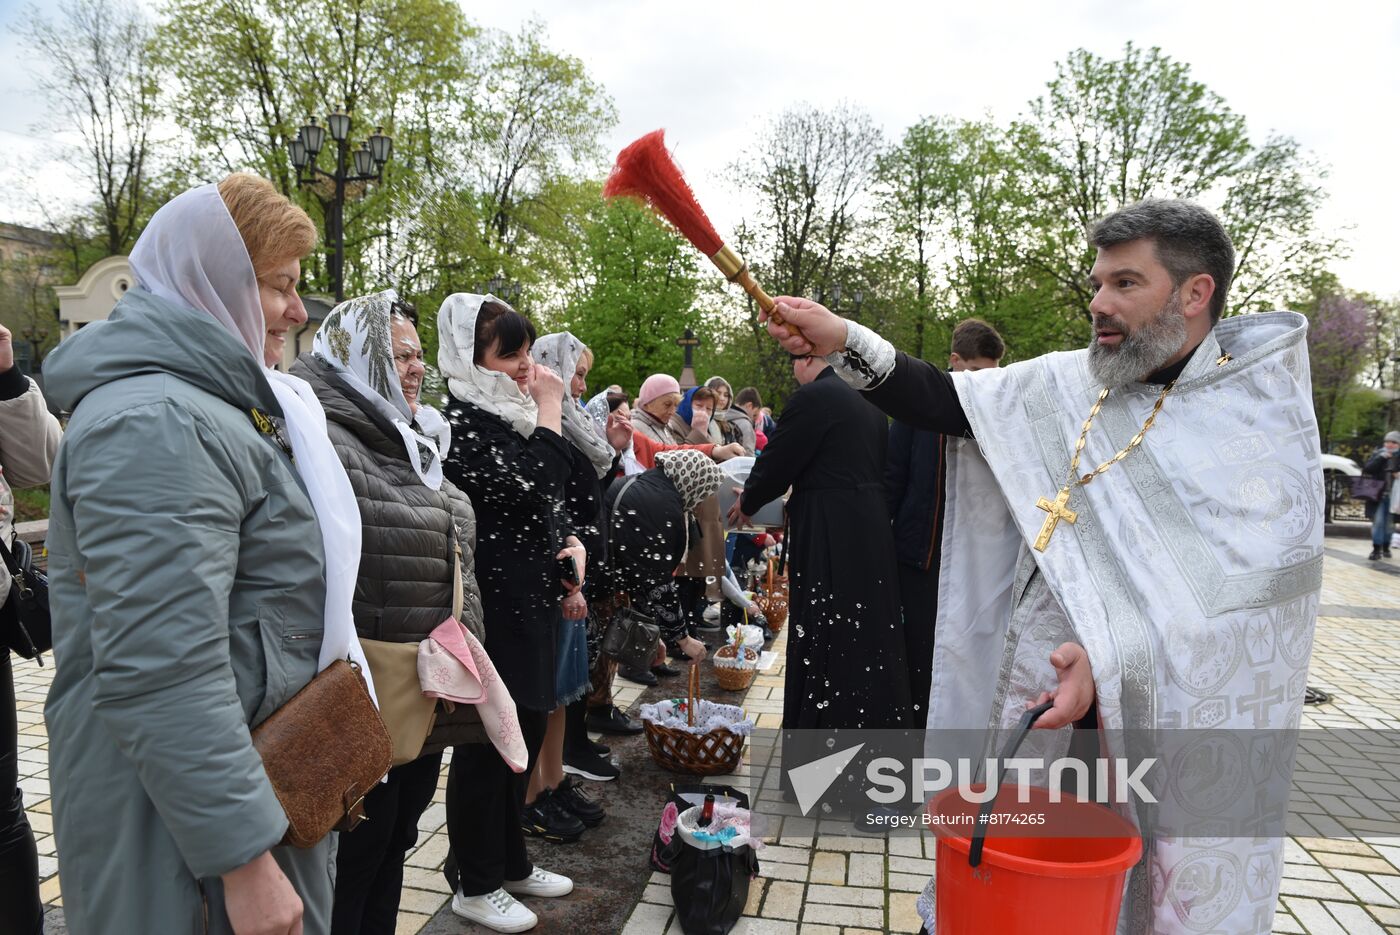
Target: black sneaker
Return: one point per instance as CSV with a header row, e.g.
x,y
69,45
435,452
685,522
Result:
x,y
612,721
1375,555
590,766
601,749
546,818
640,676
664,671
1385,551
574,800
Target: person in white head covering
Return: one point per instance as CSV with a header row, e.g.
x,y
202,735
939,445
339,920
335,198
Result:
x,y
196,581
509,455
418,547
366,341
566,355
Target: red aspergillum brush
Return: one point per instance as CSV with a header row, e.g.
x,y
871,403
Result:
x,y
645,171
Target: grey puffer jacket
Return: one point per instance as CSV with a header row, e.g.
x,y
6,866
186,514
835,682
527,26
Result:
x,y
404,589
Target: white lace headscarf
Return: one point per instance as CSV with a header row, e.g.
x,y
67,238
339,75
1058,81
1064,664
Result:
x,y
486,389
560,352
356,340
192,254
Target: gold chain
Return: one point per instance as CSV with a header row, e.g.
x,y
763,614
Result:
x,y
1137,439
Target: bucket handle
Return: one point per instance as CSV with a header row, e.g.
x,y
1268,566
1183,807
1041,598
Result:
x,y
979,834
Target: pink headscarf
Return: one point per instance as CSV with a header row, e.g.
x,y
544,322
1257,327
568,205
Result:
x,y
656,386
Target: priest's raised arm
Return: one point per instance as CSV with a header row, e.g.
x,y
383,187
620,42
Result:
x,y
911,390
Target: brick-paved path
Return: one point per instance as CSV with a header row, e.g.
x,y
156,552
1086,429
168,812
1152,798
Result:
x,y
1335,883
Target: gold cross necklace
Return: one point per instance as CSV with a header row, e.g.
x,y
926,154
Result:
x,y
1058,509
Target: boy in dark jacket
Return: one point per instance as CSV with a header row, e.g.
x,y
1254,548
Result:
x,y
914,475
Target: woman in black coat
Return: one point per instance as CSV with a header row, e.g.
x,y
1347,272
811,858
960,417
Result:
x,y
509,456
651,522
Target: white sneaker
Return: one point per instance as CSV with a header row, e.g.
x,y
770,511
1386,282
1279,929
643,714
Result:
x,y
711,614
496,910
541,883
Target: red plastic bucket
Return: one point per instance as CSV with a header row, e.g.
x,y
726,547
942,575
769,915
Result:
x,y
1031,879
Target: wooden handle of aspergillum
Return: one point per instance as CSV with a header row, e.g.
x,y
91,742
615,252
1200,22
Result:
x,y
737,271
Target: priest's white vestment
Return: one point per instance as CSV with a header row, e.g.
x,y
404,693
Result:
x,y
1191,577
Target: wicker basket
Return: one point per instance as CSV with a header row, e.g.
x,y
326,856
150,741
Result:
x,y
710,754
775,610
774,601
735,676
777,584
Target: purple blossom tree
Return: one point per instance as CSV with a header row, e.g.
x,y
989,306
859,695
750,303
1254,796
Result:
x,y
1341,329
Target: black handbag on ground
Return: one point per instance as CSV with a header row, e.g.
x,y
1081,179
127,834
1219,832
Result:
x,y
631,638
665,843
710,885
25,626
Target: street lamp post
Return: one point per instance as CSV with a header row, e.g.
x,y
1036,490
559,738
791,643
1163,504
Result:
x,y
831,298
363,164
501,288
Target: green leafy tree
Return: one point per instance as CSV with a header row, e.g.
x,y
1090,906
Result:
x,y
539,116
915,182
1110,132
953,207
249,73
640,293
27,302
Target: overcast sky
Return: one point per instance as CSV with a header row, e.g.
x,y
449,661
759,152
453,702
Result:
x,y
1326,74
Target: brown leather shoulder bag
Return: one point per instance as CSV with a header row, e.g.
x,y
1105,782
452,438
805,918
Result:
x,y
323,751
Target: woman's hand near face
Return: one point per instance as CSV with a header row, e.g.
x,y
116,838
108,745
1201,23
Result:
x,y
619,431
547,390
545,385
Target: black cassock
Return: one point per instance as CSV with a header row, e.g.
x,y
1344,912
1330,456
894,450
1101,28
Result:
x,y
845,665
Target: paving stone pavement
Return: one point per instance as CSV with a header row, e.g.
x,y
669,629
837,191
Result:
x,y
1342,872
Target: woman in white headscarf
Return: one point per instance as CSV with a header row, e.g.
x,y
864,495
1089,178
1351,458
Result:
x,y
567,749
509,455
366,368
203,547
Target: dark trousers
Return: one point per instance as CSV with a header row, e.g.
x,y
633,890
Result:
x,y
918,600
369,861
20,909
484,799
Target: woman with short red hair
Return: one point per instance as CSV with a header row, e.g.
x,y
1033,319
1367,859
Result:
x,y
199,546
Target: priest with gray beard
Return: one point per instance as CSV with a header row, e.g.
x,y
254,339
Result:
x,y
1135,531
